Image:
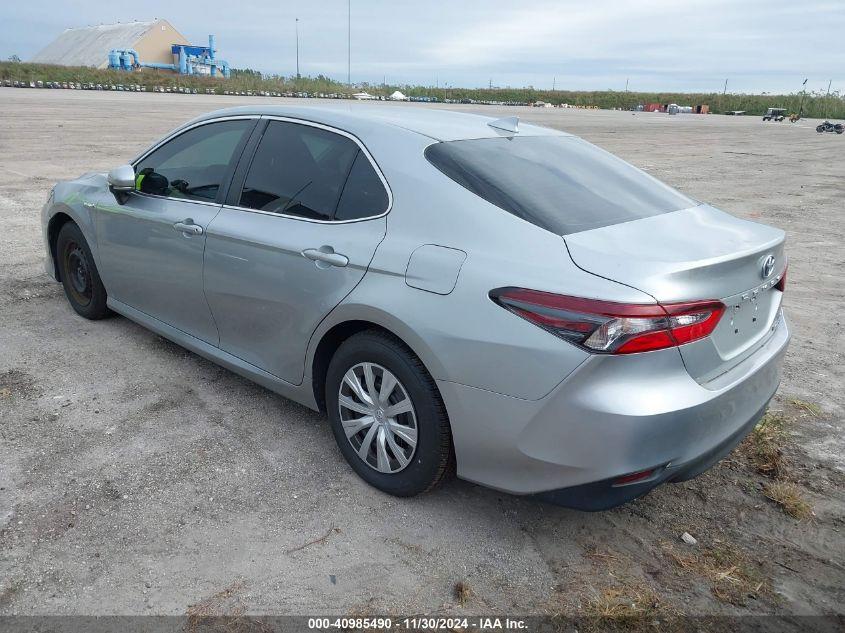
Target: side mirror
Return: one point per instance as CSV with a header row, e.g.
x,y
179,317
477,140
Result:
x,y
121,181
122,178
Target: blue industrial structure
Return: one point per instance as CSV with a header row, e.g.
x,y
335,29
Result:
x,y
193,60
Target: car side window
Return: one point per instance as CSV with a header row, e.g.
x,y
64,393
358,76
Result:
x,y
301,170
364,194
194,164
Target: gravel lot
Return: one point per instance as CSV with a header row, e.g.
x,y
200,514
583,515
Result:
x,y
136,477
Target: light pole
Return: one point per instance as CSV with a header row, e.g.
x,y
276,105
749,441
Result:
x,y
297,48
349,43
827,97
803,92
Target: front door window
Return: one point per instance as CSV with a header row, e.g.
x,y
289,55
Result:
x,y
194,165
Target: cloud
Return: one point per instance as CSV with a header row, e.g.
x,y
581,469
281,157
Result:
x,y
595,44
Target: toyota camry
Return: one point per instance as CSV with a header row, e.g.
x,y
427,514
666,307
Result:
x,y
457,293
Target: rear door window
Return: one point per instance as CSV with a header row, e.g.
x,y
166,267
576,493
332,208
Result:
x,y
195,164
298,170
364,194
559,183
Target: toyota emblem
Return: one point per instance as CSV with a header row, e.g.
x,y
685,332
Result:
x,y
768,266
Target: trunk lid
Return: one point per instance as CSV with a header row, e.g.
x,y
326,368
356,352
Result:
x,y
690,255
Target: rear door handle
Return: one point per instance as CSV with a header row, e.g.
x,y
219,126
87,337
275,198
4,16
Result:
x,y
325,256
187,226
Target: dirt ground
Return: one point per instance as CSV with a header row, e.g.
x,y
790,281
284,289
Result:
x,y
138,478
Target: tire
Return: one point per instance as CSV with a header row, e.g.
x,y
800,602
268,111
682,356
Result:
x,y
819,129
427,463
78,273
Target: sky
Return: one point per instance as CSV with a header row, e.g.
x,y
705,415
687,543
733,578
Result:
x,y
653,45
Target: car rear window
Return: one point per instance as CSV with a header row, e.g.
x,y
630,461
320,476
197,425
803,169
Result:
x,y
560,183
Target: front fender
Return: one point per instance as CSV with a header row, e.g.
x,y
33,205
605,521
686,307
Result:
x,y
67,202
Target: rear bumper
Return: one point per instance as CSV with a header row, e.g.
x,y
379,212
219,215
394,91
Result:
x,y
612,416
602,495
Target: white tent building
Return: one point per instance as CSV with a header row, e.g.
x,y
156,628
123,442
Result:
x,y
90,45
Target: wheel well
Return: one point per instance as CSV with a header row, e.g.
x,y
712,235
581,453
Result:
x,y
329,344
327,347
53,228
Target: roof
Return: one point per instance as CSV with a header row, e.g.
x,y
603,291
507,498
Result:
x,y
90,45
436,123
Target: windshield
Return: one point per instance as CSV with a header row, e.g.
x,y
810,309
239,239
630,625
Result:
x,y
560,183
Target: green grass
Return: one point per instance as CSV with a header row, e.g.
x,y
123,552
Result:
x,y
239,82
819,106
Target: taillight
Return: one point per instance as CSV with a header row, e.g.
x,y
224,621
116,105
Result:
x,y
613,328
781,284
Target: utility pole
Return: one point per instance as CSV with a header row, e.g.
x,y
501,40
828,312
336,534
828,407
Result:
x,y
830,81
349,43
626,84
803,93
297,48
554,83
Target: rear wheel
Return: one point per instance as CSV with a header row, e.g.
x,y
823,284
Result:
x,y
387,415
83,288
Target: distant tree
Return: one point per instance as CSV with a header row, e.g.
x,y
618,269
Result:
x,y
818,106
246,72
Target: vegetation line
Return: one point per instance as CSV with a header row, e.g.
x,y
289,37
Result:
x,y
817,105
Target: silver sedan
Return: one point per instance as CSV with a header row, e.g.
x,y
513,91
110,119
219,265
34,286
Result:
x,y
458,293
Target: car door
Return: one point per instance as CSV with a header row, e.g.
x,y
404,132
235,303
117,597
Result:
x,y
151,246
302,221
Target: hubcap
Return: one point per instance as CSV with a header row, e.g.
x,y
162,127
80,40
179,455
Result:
x,y
378,417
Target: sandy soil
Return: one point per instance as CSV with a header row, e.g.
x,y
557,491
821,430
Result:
x,y
136,477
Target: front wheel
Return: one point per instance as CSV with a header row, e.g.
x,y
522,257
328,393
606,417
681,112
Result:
x,y
81,280
819,129
387,415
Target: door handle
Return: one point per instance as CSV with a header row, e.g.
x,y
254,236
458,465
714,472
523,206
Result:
x,y
188,226
325,256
